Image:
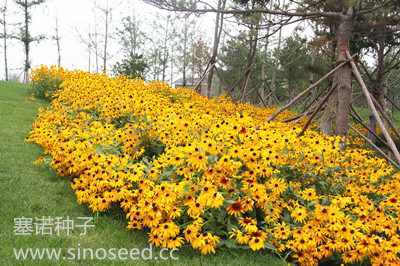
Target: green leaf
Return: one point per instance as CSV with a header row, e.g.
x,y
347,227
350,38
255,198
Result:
x,y
99,149
222,215
238,140
269,246
325,201
230,243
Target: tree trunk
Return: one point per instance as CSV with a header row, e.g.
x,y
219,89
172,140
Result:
x,y
329,114
26,44
344,76
5,39
57,37
217,36
89,57
106,39
278,53
264,61
165,50
376,87
250,58
96,48
172,67
185,40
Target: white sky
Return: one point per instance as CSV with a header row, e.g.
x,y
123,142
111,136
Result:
x,y
73,16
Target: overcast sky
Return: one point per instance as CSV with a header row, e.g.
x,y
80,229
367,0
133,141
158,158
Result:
x,y
73,16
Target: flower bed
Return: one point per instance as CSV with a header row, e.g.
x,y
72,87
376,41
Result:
x,y
195,171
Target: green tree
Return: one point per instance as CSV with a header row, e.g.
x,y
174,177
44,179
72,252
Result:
x,y
234,63
134,66
187,34
343,14
378,36
132,39
25,35
160,56
106,12
294,60
5,35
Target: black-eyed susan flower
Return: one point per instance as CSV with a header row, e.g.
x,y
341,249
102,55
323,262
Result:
x,y
236,209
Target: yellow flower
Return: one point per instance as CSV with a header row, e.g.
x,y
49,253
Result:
x,y
174,242
250,225
299,214
40,160
322,212
195,208
155,239
256,243
198,160
277,185
236,208
309,194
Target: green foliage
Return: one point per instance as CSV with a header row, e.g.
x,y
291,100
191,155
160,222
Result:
x,y
24,35
45,85
133,66
294,59
233,59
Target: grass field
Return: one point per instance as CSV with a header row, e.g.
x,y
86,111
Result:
x,y
35,191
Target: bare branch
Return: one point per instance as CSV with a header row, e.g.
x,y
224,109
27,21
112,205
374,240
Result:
x,y
191,7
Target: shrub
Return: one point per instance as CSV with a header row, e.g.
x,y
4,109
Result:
x,y
46,81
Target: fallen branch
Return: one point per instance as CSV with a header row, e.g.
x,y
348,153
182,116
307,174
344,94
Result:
x,y
222,79
321,103
309,89
203,77
355,112
290,119
258,93
316,98
357,75
375,147
370,130
386,117
266,97
237,82
387,98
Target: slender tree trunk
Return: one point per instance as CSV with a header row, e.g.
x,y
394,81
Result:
x,y
376,87
96,50
26,43
313,51
5,39
344,76
217,36
172,67
165,50
185,41
57,37
329,114
278,54
106,38
90,55
264,61
253,46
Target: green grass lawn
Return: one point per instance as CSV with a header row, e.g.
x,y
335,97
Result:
x,y
35,191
